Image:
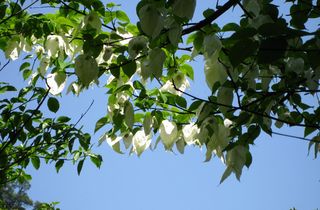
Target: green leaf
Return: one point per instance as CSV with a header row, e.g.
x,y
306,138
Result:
x,y
80,165
130,68
24,66
181,101
241,50
188,70
35,162
96,159
26,73
271,50
63,119
226,174
100,123
122,16
59,164
53,104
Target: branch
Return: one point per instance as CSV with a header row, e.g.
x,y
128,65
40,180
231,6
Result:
x,y
211,18
12,15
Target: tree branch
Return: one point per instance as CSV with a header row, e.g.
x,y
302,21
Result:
x,y
211,18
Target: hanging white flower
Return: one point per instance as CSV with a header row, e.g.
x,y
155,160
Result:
x,y
137,45
127,140
168,133
190,133
105,55
227,123
56,82
54,44
86,68
140,142
181,83
12,50
44,65
39,50
24,45
126,37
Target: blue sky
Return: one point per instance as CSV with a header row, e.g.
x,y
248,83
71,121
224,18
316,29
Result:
x,y
281,176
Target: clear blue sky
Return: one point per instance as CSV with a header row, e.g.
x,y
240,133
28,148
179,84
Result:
x,y
281,176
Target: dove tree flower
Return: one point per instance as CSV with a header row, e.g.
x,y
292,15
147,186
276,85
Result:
x,y
168,133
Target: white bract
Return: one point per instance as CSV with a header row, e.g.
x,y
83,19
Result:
x,y
181,83
190,133
12,50
105,55
214,71
44,65
86,68
227,123
225,98
54,44
137,45
168,133
140,142
212,46
153,65
56,82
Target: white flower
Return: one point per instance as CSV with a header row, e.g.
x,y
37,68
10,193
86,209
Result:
x,y
126,37
86,68
44,65
24,45
12,50
190,133
54,45
181,83
56,82
105,55
113,141
140,142
127,140
39,50
168,133
227,123
136,45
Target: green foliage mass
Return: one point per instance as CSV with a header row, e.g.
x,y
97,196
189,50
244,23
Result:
x,y
263,72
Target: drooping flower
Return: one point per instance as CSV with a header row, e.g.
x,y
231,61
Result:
x,y
180,82
86,68
140,142
44,65
168,133
56,82
12,50
54,44
190,133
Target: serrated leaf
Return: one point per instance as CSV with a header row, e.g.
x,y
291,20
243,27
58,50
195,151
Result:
x,y
53,104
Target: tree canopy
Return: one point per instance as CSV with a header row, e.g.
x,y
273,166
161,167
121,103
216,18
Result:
x,y
262,70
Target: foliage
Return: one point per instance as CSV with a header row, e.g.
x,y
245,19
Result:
x,y
263,72
14,195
